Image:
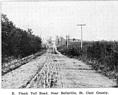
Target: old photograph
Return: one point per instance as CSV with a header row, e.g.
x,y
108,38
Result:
x,y
59,44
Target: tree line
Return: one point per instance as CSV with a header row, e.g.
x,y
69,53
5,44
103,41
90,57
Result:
x,y
17,42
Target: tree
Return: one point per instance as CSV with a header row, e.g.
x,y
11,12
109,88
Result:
x,y
17,42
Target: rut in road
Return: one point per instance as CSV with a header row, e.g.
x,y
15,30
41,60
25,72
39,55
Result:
x,y
49,76
60,71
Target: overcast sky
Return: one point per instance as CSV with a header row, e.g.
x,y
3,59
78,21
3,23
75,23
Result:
x,y
61,18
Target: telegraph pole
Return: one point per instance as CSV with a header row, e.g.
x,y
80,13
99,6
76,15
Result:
x,y
81,25
67,40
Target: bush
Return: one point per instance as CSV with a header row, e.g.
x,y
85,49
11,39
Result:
x,y
103,54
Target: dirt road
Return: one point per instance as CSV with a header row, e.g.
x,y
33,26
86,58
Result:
x,y
55,71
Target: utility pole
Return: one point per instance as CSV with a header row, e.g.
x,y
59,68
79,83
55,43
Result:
x,y
81,25
67,40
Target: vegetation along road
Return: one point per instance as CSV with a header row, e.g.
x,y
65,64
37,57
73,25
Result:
x,y
54,70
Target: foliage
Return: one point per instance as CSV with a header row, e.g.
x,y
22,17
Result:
x,y
102,54
17,42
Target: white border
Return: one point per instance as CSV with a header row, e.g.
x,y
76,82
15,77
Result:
x,y
111,91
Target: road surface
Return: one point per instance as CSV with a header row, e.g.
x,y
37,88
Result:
x,y
54,70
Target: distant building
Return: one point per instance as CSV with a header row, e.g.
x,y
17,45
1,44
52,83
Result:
x,y
60,41
74,40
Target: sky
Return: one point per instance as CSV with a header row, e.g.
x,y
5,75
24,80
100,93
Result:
x,y
54,18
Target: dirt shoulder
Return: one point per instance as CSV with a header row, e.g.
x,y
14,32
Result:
x,y
20,76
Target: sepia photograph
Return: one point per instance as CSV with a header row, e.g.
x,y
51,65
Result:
x,y
59,44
